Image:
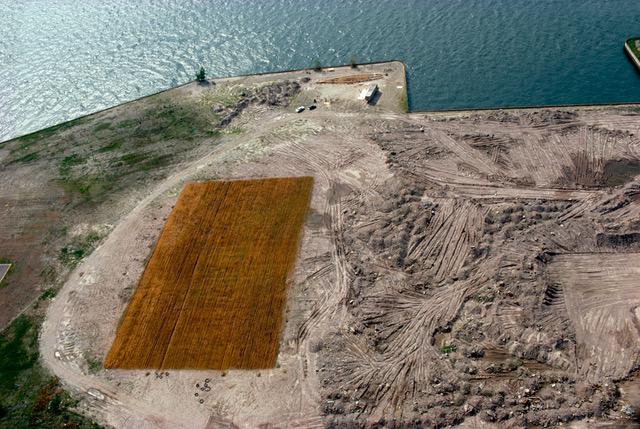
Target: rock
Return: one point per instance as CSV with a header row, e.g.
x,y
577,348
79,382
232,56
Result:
x,y
628,410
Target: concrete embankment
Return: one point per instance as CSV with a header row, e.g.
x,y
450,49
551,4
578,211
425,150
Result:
x,y
633,53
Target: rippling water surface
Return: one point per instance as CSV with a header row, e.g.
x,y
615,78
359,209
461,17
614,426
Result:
x,y
64,58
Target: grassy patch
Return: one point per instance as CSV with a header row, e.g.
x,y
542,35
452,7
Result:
x,y
632,45
49,274
127,123
170,122
143,161
68,163
48,294
404,102
73,253
18,351
156,162
94,365
98,158
7,261
89,188
133,158
484,298
47,132
101,127
234,130
22,148
447,349
114,145
29,396
25,159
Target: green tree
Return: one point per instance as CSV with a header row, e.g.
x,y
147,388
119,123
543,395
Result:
x,y
200,75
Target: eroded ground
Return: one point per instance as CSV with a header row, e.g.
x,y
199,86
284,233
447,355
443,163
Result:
x,y
473,268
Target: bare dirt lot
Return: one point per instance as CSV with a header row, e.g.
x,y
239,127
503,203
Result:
x,y
470,268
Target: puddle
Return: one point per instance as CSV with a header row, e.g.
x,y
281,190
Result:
x,y
619,172
498,356
338,191
505,365
317,220
630,392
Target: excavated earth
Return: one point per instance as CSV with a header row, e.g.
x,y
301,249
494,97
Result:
x,y
497,278
472,269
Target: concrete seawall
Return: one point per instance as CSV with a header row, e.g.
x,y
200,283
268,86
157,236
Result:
x,y
631,54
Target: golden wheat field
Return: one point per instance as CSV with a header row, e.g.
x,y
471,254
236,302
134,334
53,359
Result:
x,y
212,294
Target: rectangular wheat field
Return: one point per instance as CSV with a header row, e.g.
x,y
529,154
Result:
x,y
212,294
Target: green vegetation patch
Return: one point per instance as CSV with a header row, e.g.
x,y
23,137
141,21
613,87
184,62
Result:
x,y
94,365
80,247
22,149
171,121
25,159
69,162
631,43
47,132
101,127
404,102
89,188
109,152
133,158
484,298
234,130
48,294
447,349
29,396
127,123
111,146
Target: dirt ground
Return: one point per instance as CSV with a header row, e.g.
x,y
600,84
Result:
x,y
470,268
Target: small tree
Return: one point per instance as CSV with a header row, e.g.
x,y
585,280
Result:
x,y
317,65
200,75
353,62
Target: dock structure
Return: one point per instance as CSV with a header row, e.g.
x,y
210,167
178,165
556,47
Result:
x,y
632,48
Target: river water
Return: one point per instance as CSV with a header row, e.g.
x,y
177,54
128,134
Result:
x,y
60,59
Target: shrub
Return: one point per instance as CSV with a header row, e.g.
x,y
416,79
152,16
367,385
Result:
x,y
448,349
201,75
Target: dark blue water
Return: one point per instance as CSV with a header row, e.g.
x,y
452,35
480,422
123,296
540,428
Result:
x,y
64,58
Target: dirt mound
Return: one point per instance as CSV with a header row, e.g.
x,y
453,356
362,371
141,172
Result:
x,y
462,305
631,239
549,117
356,78
274,94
